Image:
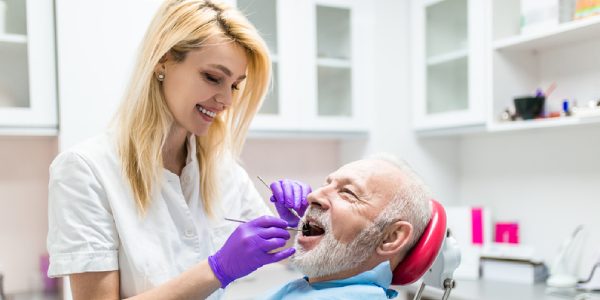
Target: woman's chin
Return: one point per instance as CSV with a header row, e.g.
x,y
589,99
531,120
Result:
x,y
199,130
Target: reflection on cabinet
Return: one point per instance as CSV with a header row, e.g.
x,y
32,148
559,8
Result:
x,y
28,77
448,63
318,64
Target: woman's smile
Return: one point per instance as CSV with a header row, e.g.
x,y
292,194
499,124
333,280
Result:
x,y
206,114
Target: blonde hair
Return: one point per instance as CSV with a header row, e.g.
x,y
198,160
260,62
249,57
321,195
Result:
x,y
143,120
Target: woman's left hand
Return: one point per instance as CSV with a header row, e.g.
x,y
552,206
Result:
x,y
290,194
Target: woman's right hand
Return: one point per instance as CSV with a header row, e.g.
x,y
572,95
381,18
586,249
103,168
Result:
x,y
247,249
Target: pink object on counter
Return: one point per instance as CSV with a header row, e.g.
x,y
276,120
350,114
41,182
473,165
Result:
x,y
50,284
477,223
507,232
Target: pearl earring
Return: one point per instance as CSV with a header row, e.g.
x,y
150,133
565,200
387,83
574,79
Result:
x,y
161,76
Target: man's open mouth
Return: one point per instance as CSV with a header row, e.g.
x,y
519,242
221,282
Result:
x,y
312,229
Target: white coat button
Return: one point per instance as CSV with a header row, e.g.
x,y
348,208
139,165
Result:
x,y
189,232
187,178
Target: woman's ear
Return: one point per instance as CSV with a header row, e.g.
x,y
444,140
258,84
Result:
x,y
395,238
161,66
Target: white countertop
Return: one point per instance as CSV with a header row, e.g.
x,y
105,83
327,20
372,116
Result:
x,y
488,290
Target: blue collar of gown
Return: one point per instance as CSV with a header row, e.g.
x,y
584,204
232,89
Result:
x,y
380,276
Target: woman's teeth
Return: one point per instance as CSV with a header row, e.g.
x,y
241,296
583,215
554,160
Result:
x,y
206,112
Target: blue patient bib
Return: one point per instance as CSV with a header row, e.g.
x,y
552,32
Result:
x,y
371,284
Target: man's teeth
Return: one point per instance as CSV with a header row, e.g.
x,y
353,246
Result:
x,y
311,229
206,112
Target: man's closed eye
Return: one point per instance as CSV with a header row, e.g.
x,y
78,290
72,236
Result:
x,y
350,193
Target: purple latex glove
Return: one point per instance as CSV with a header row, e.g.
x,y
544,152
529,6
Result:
x,y
292,194
247,249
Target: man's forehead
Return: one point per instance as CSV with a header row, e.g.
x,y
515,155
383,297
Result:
x,y
367,170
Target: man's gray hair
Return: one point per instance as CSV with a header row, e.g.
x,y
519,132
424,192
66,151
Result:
x,y
410,201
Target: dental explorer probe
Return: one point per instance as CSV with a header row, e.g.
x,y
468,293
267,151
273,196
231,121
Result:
x,y
240,221
291,209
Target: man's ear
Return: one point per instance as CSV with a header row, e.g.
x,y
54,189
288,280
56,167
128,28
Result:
x,y
395,238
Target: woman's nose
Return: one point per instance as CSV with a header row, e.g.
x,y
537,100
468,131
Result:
x,y
225,99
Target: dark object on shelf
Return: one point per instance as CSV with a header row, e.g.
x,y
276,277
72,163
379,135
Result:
x,y
529,107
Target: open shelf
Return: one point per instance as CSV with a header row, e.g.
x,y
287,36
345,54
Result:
x,y
334,63
442,58
564,122
542,123
13,38
562,35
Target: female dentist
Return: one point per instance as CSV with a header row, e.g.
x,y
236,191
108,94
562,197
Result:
x,y
138,212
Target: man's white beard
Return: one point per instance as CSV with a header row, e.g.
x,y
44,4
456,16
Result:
x,y
330,256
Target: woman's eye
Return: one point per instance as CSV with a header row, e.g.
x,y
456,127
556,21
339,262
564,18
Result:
x,y
235,87
211,78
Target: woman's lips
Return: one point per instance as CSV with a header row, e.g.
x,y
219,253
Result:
x,y
204,116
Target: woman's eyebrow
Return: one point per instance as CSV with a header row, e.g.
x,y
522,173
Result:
x,y
225,70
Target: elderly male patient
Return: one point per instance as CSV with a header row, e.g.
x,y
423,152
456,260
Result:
x,y
359,225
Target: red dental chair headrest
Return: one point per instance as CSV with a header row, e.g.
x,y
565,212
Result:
x,y
424,253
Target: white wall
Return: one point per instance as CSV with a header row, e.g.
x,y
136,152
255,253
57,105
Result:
x,y
434,159
548,181
309,161
24,179
96,43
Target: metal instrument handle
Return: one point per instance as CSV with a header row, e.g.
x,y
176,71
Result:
x,y
240,221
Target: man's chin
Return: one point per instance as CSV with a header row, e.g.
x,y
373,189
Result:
x,y
308,242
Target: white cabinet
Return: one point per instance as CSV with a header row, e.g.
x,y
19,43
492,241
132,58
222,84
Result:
x,y
319,63
28,71
448,63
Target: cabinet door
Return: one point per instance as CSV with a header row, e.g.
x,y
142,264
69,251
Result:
x,y
277,21
28,77
333,60
448,57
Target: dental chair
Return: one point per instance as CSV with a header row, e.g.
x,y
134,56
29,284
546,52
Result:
x,y
434,258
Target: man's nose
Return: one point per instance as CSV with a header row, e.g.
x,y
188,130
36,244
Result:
x,y
318,198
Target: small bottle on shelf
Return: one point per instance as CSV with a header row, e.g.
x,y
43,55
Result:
x,y
573,109
506,116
